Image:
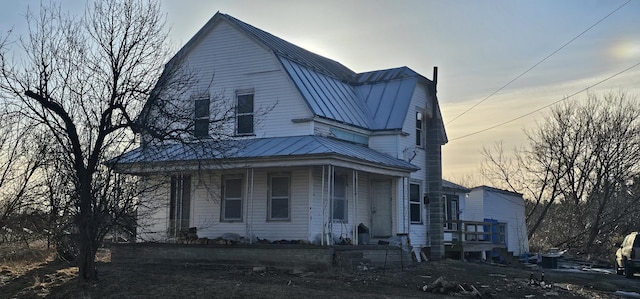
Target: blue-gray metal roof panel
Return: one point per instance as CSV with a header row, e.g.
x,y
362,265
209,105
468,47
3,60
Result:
x,y
388,101
327,96
277,147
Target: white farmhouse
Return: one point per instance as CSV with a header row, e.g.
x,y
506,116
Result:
x,y
310,151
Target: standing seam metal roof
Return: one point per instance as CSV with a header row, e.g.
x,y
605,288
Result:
x,y
276,147
333,91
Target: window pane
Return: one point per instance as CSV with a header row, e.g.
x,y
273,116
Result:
x,y
245,124
202,108
339,209
245,103
233,209
280,186
279,208
233,188
339,186
201,128
415,213
414,192
454,210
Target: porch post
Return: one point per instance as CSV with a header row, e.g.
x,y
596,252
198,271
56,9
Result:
x,y
354,237
249,205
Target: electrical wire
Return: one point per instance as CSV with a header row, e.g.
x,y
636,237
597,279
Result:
x,y
548,105
535,65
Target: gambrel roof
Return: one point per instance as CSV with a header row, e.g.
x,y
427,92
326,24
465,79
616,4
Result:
x,y
377,100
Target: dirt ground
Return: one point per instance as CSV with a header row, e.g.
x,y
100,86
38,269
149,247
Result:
x,y
56,279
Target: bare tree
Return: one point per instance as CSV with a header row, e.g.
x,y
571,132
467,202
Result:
x,y
83,80
18,171
579,172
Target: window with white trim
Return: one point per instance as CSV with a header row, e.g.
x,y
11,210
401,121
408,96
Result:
x,y
231,199
340,198
415,204
419,129
244,114
451,211
279,197
201,117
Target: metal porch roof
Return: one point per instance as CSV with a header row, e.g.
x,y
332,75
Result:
x,y
277,147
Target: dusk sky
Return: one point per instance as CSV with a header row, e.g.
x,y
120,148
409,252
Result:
x,y
478,46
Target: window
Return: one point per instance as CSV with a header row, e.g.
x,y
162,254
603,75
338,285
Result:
x,y
415,203
279,195
419,129
201,125
244,114
502,233
340,198
232,199
179,204
451,210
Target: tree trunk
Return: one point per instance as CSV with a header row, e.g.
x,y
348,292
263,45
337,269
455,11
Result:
x,y
86,258
87,232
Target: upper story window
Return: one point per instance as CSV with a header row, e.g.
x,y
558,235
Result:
x,y
244,114
419,129
201,117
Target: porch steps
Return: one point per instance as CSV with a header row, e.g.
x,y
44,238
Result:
x,y
508,257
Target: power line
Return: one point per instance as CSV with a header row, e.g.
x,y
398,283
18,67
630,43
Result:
x,y
548,105
535,65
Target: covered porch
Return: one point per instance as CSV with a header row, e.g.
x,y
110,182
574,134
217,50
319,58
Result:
x,y
310,188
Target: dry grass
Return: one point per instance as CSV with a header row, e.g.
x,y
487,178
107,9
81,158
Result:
x,y
35,274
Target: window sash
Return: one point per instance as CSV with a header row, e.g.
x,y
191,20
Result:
x,y
419,130
415,205
244,114
232,200
201,117
279,197
340,207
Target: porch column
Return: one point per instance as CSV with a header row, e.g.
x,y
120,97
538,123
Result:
x,y
354,183
249,205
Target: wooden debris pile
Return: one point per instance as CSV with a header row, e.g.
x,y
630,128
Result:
x,y
454,288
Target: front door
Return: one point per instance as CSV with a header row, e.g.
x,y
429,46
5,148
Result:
x,y
381,208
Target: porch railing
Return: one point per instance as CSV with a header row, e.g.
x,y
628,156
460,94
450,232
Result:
x,y
474,235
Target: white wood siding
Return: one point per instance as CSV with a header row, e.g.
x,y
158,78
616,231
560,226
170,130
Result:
x,y
487,204
474,206
206,206
387,144
226,60
510,210
154,213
